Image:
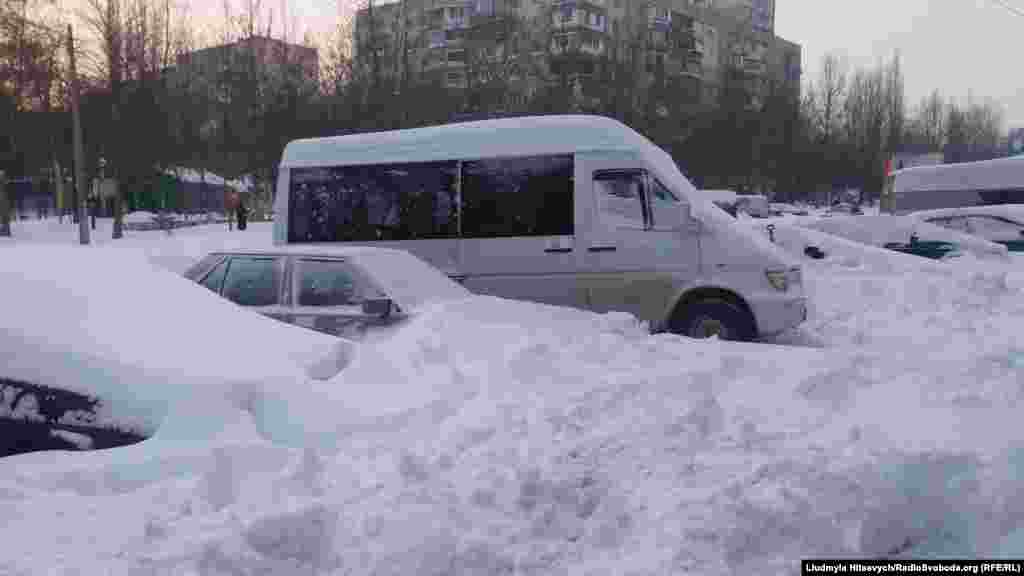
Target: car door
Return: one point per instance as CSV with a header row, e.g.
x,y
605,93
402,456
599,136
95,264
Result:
x,y
996,229
327,295
633,260
252,281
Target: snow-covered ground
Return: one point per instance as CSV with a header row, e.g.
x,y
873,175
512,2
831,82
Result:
x,y
500,437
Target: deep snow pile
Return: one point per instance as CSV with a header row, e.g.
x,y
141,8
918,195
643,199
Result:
x,y
493,437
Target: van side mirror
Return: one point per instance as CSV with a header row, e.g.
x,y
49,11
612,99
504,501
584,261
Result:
x,y
690,223
378,307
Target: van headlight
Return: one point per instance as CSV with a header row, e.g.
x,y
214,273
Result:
x,y
779,279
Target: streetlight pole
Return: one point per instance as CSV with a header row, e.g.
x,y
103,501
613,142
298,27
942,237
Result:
x,y
76,120
97,193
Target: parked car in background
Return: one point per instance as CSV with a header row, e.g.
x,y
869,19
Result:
x,y
845,208
753,205
724,199
1002,224
906,234
339,290
781,209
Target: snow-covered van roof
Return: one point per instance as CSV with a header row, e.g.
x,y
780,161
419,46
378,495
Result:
x,y
720,195
525,136
996,174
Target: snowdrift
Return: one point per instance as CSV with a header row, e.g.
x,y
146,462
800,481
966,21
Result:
x,y
492,436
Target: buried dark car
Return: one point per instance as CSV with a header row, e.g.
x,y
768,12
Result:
x,y
34,417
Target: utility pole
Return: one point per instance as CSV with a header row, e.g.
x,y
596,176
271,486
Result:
x,y
5,212
76,121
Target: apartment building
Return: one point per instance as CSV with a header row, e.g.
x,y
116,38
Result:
x,y
273,57
530,42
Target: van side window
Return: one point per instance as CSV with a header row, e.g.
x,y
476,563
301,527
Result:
x,y
379,202
529,196
662,200
620,197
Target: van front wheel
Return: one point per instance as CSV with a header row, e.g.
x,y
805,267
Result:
x,y
714,317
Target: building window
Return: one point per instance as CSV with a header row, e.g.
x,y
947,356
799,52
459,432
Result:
x,y
506,197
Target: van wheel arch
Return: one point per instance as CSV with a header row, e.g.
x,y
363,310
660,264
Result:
x,y
744,321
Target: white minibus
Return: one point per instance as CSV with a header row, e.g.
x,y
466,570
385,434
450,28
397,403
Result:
x,y
987,182
568,210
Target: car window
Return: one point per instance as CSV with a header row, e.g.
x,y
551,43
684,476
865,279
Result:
x,y
215,279
199,269
620,196
661,193
252,281
994,228
326,283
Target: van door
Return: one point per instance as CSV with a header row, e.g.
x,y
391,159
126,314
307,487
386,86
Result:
x,y
517,228
635,256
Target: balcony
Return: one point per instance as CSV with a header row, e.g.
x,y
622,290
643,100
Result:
x,y
444,38
445,4
569,17
753,65
599,4
659,18
572,44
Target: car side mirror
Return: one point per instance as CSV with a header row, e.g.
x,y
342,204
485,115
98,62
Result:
x,y
379,307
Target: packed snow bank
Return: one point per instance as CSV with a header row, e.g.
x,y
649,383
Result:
x,y
885,228
139,217
492,437
795,239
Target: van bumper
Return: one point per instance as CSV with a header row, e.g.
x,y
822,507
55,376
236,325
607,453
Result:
x,y
775,313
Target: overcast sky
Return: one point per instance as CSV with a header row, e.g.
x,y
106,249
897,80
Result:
x,y
960,47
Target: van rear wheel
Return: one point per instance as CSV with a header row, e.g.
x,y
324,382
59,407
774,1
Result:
x,y
714,317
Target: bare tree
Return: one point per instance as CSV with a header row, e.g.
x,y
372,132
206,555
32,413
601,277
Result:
x,y
930,120
832,87
896,114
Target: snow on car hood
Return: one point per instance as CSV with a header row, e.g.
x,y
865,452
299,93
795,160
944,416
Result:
x,y
883,228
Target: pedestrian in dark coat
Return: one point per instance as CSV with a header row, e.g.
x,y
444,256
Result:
x,y
242,214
